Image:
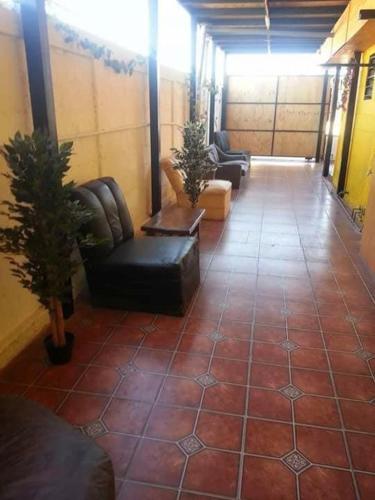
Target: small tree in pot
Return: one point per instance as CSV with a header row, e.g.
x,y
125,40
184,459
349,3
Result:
x,y
193,161
46,228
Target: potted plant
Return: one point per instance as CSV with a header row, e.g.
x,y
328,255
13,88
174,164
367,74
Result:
x,y
193,161
46,227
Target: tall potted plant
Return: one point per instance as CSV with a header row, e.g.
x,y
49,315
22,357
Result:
x,y
45,227
192,160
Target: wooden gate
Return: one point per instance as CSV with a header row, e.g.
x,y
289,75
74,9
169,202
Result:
x,y
274,115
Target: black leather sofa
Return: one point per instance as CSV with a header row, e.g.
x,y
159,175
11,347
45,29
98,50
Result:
x,y
228,167
44,458
221,139
152,274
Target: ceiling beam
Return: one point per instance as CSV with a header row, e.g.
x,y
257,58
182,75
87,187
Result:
x,y
291,34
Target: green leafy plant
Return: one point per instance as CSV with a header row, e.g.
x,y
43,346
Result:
x,y
46,221
99,51
193,161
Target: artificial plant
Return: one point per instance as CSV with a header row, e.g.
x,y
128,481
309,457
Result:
x,y
45,221
192,160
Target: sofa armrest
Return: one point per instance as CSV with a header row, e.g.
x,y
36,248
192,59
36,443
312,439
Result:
x,y
230,171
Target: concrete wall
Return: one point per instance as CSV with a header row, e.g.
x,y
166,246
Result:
x,y
106,115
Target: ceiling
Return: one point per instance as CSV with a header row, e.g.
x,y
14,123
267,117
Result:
x,y
261,26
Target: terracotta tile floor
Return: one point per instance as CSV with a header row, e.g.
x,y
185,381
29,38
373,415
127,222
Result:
x,y
264,390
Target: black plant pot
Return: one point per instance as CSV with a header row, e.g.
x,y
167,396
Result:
x,y
59,355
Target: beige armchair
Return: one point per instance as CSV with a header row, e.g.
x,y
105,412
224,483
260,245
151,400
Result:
x,y
215,199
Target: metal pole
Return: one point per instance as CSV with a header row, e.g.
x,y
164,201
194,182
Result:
x,y
348,127
193,69
35,35
153,85
328,151
212,94
321,118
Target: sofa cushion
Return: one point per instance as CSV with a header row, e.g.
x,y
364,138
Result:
x,y
150,257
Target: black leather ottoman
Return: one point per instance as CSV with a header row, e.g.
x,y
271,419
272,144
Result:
x,y
44,458
153,274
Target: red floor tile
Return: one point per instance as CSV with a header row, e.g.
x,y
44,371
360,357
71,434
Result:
x,y
319,482
47,397
138,319
322,446
152,361
98,379
316,410
362,447
189,365
61,377
126,335
269,353
341,342
120,450
268,438
269,333
220,431
213,472
269,404
266,479
196,344
114,356
170,423
82,409
234,329
354,387
199,326
306,338
312,382
181,392
272,377
161,339
347,363
22,371
233,348
225,398
358,416
137,491
229,370
157,462
140,386
123,415
366,486
309,358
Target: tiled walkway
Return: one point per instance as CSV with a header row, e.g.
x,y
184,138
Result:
x,y
264,391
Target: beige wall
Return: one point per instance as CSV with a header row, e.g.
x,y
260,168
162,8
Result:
x,y
106,115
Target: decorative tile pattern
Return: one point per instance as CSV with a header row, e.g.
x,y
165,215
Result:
x,y
285,312
95,429
128,368
372,401
216,337
296,462
351,318
291,392
190,444
288,345
149,328
365,355
206,380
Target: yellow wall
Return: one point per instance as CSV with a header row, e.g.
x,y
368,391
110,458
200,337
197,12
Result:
x,y
362,151
106,115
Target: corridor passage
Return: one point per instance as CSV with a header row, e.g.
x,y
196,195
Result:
x,y
265,390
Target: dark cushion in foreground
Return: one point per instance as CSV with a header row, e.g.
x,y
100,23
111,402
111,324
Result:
x,y
44,458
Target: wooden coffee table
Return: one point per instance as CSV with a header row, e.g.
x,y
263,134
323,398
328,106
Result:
x,y
174,221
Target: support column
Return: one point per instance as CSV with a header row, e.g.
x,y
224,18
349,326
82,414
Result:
x,y
224,93
193,69
153,85
327,156
35,34
323,104
348,126
212,94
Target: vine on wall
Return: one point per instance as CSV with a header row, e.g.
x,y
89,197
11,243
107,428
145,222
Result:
x,y
99,51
